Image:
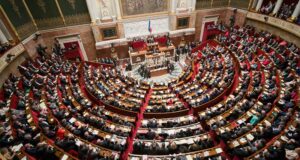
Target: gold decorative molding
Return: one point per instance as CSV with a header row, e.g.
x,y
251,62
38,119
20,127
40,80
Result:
x,y
10,24
60,12
30,14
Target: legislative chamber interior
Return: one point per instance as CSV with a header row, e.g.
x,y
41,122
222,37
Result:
x,y
149,80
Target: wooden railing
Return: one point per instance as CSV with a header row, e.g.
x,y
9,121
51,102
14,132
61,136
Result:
x,y
15,52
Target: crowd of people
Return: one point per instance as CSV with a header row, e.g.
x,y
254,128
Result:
x,y
246,43
285,11
4,47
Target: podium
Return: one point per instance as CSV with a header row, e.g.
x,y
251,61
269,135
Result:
x,y
141,56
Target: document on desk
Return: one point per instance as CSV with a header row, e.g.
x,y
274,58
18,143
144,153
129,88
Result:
x,y
189,157
64,157
190,141
249,114
182,141
72,120
17,147
158,130
243,140
219,150
171,132
206,153
235,143
95,132
250,137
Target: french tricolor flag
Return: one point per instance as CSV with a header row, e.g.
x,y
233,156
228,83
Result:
x,y
149,27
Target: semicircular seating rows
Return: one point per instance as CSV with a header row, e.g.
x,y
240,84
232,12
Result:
x,y
237,99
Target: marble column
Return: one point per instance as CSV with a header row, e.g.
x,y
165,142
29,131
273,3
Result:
x,y
254,3
277,6
173,6
5,31
259,4
193,5
92,7
118,9
3,39
296,12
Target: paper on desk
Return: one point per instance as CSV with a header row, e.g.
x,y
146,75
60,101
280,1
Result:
x,y
158,130
243,140
144,123
219,150
189,157
72,120
17,147
95,132
284,138
64,157
206,153
78,143
240,121
144,157
190,141
214,108
249,114
235,143
267,123
30,120
183,141
250,137
43,105
221,130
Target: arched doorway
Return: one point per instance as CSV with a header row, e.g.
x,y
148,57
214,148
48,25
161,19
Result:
x,y
73,46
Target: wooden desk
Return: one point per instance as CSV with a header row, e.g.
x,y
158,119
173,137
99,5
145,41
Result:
x,y
158,72
205,153
141,56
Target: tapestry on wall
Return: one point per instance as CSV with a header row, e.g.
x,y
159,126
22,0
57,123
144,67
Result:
x,y
136,7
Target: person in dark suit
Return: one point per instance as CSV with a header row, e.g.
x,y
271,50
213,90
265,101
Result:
x,y
150,134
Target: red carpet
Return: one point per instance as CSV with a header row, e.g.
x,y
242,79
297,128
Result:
x,y
138,123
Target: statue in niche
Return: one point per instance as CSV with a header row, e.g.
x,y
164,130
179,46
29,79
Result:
x,y
72,3
181,4
42,4
105,8
15,7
